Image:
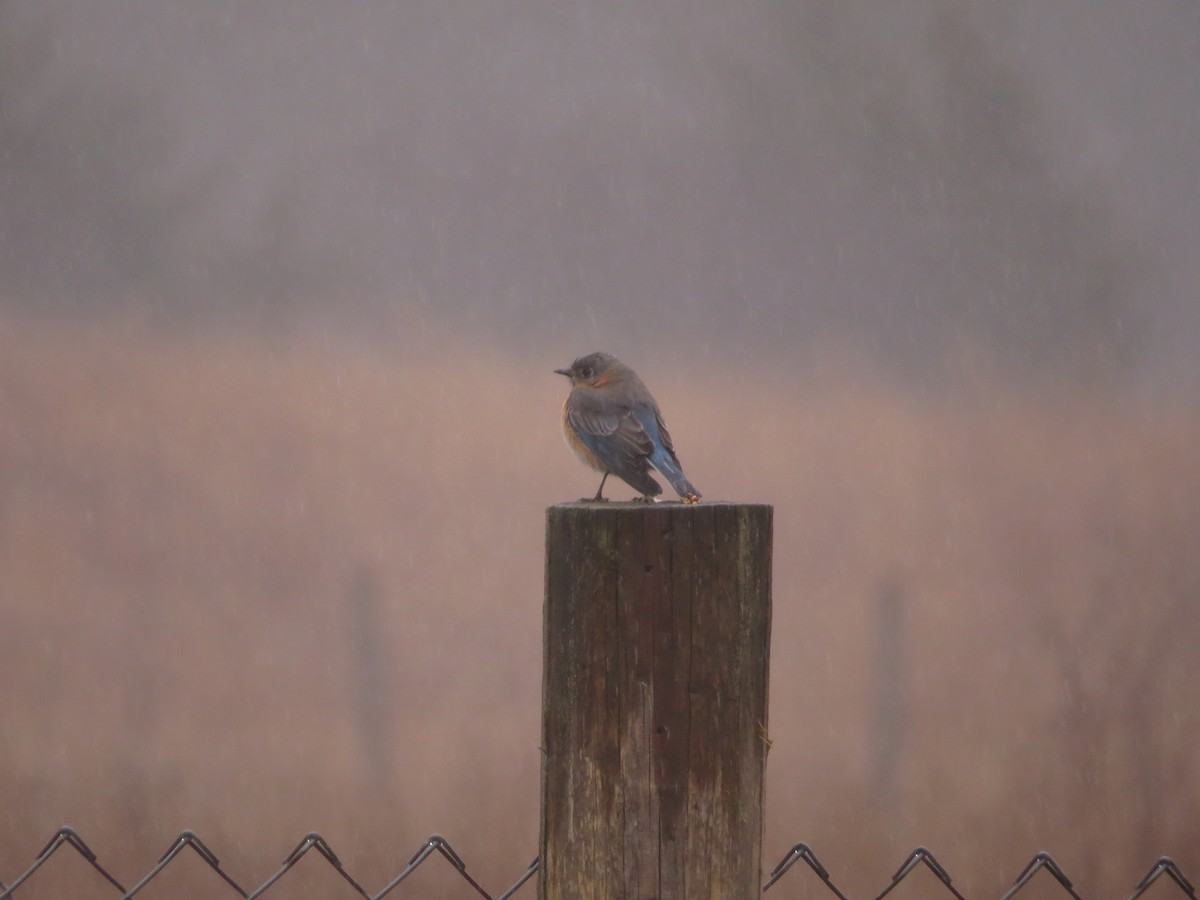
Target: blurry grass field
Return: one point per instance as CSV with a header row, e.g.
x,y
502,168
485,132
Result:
x,y
259,588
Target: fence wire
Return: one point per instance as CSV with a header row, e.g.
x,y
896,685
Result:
x,y
436,845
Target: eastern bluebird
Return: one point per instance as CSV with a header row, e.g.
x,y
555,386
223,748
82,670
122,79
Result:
x,y
613,425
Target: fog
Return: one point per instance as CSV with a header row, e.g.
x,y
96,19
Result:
x,y
281,288
690,176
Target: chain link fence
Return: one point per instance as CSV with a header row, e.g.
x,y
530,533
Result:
x,y
438,846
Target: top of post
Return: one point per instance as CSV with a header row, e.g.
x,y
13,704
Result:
x,y
638,506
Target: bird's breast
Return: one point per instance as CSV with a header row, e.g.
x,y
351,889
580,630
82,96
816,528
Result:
x,y
578,447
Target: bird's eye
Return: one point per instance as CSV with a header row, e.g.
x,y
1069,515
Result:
x,y
586,371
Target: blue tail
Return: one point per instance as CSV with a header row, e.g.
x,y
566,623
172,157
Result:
x,y
664,460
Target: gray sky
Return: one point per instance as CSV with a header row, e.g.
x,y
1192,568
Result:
x,y
749,178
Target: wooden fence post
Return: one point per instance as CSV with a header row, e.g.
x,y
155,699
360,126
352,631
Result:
x,y
654,701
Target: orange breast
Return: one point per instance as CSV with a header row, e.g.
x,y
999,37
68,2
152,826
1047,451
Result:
x,y
585,456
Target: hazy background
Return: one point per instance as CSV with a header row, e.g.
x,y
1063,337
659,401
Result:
x,y
281,287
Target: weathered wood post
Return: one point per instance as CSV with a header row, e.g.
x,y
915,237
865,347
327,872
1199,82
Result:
x,y
654,701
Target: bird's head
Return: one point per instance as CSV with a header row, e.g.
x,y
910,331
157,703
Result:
x,y
591,369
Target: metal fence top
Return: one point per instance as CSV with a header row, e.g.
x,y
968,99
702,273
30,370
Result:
x,y
438,846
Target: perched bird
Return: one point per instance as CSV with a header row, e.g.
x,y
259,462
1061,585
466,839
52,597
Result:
x,y
613,425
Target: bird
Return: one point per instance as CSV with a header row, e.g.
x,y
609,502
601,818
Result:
x,y
612,423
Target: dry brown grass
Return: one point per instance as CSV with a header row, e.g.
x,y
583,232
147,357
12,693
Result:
x,y
184,521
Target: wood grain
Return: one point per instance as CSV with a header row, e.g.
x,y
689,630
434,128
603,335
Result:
x,y
654,700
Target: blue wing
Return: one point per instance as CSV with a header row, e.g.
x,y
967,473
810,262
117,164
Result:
x,y
616,435
662,456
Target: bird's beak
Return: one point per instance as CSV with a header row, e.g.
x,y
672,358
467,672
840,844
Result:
x,y
566,372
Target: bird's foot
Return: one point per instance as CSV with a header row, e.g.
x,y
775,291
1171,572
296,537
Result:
x,y
691,499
